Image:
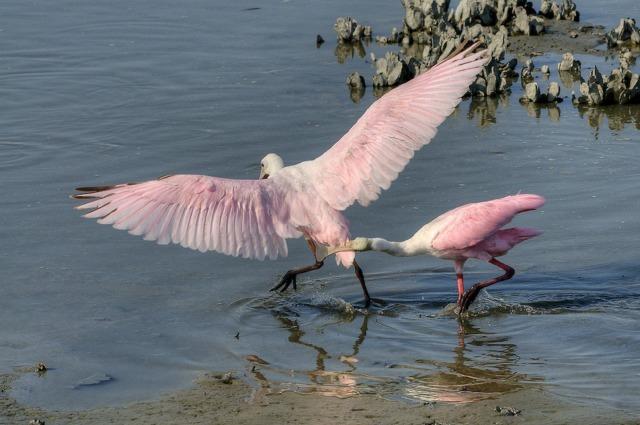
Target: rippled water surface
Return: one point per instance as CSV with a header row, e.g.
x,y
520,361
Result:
x,y
103,92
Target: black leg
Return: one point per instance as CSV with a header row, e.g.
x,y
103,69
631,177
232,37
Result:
x,y
470,294
290,276
360,276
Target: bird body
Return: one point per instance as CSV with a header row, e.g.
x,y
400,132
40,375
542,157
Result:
x,y
253,218
469,231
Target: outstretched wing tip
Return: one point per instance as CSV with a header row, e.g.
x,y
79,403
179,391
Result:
x,y
198,212
369,157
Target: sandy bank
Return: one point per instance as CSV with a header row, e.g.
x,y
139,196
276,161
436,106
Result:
x,y
212,402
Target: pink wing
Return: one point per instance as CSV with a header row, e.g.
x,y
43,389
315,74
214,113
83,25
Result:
x,y
381,143
470,224
248,218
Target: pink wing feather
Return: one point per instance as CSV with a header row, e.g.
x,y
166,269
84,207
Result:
x,y
247,218
252,218
369,157
470,224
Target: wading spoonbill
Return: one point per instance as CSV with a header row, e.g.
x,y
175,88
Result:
x,y
470,231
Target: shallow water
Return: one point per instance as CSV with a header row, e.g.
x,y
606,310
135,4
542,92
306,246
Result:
x,y
107,92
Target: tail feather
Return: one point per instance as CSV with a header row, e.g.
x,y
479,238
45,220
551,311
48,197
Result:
x,y
527,202
91,191
515,235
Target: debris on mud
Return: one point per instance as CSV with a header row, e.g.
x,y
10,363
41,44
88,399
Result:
x,y
508,411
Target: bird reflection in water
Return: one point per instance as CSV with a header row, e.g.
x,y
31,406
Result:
x,y
324,381
466,379
481,368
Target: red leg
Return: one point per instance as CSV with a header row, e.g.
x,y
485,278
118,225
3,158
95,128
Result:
x,y
458,265
460,287
470,295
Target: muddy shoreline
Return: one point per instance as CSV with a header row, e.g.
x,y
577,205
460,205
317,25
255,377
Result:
x,y
212,401
556,39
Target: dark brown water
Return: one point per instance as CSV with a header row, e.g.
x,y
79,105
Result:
x,y
106,92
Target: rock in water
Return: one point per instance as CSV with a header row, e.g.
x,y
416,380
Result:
x,y
526,75
344,27
349,30
568,11
532,92
626,58
391,71
498,44
625,32
355,80
521,22
545,9
554,91
533,95
569,63
526,24
595,77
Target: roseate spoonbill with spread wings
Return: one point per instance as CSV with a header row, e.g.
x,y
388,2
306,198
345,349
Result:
x,y
470,231
252,218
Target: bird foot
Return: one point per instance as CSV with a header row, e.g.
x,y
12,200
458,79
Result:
x,y
468,297
287,280
368,302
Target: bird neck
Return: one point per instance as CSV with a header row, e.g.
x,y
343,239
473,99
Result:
x,y
397,249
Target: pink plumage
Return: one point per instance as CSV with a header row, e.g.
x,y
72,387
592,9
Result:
x,y
470,231
473,230
503,240
253,218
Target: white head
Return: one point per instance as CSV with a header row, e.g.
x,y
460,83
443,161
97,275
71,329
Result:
x,y
270,165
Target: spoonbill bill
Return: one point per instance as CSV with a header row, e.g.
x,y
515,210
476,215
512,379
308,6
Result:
x,y
470,231
253,218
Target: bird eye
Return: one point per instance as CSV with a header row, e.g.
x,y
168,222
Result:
x,y
262,165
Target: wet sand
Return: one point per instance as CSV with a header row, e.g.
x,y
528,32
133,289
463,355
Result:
x,y
213,402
